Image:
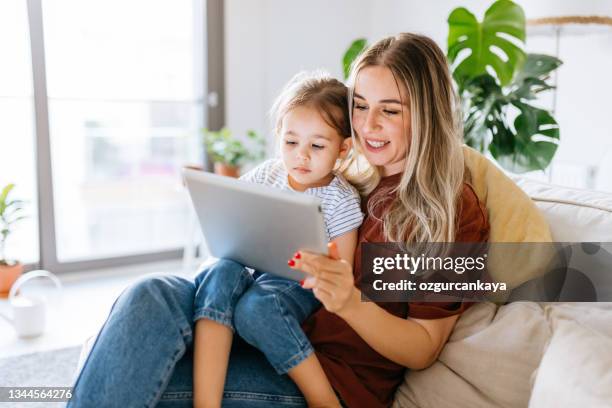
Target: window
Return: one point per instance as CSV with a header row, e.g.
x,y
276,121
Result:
x,y
125,111
17,141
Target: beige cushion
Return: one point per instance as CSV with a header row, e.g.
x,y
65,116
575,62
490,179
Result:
x,y
493,353
574,215
576,370
488,361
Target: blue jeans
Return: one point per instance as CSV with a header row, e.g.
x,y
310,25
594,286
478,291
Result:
x,y
143,356
263,309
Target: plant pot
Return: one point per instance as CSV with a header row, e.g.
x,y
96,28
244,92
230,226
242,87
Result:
x,y
8,276
226,170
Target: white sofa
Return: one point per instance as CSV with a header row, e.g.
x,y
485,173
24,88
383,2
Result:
x,y
526,354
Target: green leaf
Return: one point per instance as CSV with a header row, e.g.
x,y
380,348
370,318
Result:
x,y
530,80
537,66
536,141
5,191
22,217
480,39
224,148
351,54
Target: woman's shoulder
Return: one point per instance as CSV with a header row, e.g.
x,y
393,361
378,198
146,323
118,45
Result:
x,y
473,221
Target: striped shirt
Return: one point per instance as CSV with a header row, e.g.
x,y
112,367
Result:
x,y
340,201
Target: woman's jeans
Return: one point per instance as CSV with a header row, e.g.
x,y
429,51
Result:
x,y
143,355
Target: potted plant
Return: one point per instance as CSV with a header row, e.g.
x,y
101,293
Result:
x,y
497,93
10,214
229,153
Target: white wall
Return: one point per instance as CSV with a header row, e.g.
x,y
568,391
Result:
x,y
267,41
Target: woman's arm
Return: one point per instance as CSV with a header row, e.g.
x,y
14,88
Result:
x,y
412,343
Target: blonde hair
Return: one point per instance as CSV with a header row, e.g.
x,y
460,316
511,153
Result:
x,y
426,199
317,90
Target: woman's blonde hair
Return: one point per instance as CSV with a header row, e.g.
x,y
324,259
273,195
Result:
x,y
317,90
425,204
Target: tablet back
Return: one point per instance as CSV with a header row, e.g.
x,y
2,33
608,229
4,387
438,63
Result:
x,y
259,226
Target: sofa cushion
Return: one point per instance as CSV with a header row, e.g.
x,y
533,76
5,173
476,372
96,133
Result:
x,y
574,215
487,362
575,370
513,217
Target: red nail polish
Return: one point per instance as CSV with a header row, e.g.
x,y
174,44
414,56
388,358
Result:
x,y
297,255
302,283
291,262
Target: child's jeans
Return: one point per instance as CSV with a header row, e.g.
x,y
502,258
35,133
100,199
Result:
x,y
263,309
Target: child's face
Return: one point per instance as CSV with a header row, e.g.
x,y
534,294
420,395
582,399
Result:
x,y
310,147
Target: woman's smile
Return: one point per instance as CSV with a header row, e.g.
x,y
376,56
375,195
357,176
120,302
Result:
x,y
375,145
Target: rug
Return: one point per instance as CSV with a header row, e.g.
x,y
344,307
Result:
x,y
54,368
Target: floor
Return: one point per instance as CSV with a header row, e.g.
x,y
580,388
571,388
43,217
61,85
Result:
x,y
82,308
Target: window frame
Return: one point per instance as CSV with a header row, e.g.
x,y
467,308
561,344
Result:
x,y
209,65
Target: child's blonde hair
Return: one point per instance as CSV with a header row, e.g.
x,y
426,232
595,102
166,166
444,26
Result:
x,y
317,90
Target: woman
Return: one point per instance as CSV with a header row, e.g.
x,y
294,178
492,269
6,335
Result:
x,y
406,127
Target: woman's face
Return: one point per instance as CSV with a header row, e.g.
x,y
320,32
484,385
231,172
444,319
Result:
x,y
381,120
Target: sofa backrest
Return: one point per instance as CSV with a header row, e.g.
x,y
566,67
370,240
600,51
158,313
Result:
x,y
574,215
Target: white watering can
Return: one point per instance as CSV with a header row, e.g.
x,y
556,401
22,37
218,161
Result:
x,y
29,312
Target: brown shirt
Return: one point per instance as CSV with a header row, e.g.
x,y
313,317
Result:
x,y
362,376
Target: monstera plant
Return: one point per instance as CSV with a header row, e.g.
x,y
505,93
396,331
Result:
x,y
497,82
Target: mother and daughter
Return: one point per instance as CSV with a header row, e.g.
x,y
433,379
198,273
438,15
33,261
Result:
x,y
242,338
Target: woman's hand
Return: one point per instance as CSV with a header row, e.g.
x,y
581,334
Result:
x,y
331,278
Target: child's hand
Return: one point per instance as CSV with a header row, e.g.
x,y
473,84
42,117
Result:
x,y
331,278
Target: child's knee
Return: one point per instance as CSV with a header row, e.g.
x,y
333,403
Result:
x,y
224,270
254,314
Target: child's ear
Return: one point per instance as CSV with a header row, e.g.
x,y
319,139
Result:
x,y
345,147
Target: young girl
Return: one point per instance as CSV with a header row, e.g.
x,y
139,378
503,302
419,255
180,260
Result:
x,y
313,127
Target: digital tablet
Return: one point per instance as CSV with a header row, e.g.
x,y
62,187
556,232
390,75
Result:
x,y
258,226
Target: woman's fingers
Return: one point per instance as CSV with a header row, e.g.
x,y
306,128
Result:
x,y
315,263
313,281
323,295
325,285
331,278
305,267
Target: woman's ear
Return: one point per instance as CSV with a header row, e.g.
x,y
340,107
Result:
x,y
345,147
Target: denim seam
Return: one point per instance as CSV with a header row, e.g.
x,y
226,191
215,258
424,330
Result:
x,y
294,360
305,347
255,396
214,315
285,320
243,272
165,378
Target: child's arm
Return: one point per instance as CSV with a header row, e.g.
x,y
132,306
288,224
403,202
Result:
x,y
346,245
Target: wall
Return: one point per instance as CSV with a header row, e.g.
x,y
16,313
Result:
x,y
267,41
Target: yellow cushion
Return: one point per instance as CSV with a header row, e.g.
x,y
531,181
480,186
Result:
x,y
513,217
